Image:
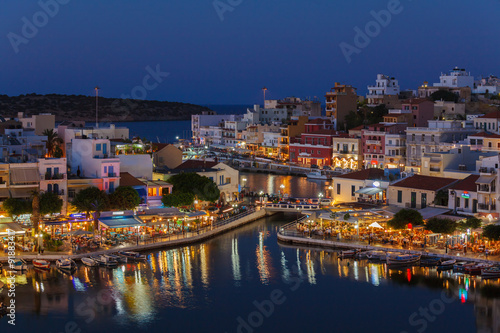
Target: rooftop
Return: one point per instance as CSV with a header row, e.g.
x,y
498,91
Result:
x,y
428,183
126,179
491,115
467,184
371,173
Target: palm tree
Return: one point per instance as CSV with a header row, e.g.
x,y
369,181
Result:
x,y
35,205
53,142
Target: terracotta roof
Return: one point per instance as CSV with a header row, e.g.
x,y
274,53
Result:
x,y
371,173
357,128
319,121
485,135
428,183
491,115
413,101
126,179
467,184
197,164
159,146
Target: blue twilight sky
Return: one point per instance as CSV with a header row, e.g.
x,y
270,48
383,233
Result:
x,y
289,46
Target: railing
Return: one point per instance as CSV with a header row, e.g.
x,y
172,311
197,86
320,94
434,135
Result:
x,y
53,177
292,206
372,142
487,170
486,207
486,188
112,174
290,229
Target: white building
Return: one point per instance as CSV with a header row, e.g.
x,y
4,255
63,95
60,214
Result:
x,y
457,78
54,178
205,120
90,159
138,165
384,85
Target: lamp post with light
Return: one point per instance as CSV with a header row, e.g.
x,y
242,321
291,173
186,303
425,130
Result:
x,y
282,190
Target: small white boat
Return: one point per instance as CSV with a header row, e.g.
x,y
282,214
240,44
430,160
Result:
x,y
376,255
402,259
41,263
20,265
316,175
132,255
89,262
448,264
65,264
108,261
118,258
349,253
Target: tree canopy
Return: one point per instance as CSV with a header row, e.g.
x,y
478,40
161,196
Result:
x,y
50,203
492,232
444,95
15,207
178,199
441,226
124,197
470,223
90,200
365,115
405,216
199,186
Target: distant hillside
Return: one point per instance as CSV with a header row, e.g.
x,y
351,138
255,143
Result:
x,y
79,107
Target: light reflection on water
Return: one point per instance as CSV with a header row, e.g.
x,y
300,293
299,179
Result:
x,y
221,278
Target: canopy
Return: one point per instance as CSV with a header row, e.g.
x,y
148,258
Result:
x,y
370,190
485,179
22,176
375,225
15,227
114,222
80,233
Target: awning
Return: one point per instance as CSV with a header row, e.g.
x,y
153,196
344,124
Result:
x,y
114,222
24,175
375,225
196,214
21,192
4,193
485,179
15,227
370,190
430,212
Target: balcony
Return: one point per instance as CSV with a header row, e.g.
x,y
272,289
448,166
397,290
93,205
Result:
x,y
486,188
112,175
57,176
373,142
396,145
486,207
490,171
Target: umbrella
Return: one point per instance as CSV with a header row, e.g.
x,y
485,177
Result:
x,y
375,225
80,233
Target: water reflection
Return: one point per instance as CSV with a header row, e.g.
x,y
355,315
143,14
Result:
x,y
213,279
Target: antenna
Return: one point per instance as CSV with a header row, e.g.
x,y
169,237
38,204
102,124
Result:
x,y
96,106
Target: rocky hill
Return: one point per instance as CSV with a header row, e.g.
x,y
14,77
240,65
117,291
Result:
x,y
79,107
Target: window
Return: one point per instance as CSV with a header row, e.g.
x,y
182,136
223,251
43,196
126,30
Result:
x,y
423,200
466,203
105,169
400,196
49,188
338,189
353,190
106,185
319,152
98,147
457,202
111,187
56,188
228,180
71,193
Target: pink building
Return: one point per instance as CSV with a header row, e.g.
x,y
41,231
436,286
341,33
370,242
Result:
x,y
421,109
373,142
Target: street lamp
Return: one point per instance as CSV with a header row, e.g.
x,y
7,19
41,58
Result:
x,y
282,187
137,235
331,191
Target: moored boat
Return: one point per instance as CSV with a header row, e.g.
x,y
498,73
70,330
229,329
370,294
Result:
x,y
90,262
118,258
376,255
460,266
41,263
316,175
447,264
402,259
132,255
430,262
66,264
108,261
491,273
20,265
349,253
475,269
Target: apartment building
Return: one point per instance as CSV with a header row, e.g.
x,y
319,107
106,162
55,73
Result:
x,y
340,100
373,142
384,86
347,152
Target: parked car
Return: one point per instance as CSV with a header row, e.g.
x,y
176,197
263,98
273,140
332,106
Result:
x,y
339,169
327,167
314,166
325,202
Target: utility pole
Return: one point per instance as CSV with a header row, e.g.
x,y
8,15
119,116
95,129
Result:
x,y
96,106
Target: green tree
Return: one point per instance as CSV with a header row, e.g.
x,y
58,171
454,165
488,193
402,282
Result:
x,y
441,226
178,199
53,142
50,203
492,232
470,223
441,198
35,206
200,186
124,197
90,200
444,95
401,219
15,207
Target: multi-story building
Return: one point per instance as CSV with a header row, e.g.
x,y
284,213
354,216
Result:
x,y
347,152
373,142
39,123
384,86
314,146
294,106
205,120
395,151
462,196
270,144
90,158
421,109
368,185
291,129
486,142
444,110
457,78
231,132
488,187
437,137
488,85
54,178
463,93
340,100
489,122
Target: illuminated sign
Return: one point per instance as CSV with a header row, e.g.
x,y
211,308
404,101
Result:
x,y
376,184
465,195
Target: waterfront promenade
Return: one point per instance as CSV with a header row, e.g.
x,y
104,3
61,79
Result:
x,y
177,240
289,234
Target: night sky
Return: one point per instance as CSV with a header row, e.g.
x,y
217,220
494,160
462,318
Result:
x,y
226,55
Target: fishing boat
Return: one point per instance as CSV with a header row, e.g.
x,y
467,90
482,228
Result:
x,y
118,258
65,264
475,269
490,273
460,266
349,253
402,259
20,265
316,175
447,264
90,262
430,262
132,255
41,263
376,255
108,261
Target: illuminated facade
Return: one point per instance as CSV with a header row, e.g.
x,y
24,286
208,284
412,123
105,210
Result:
x,y
347,152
